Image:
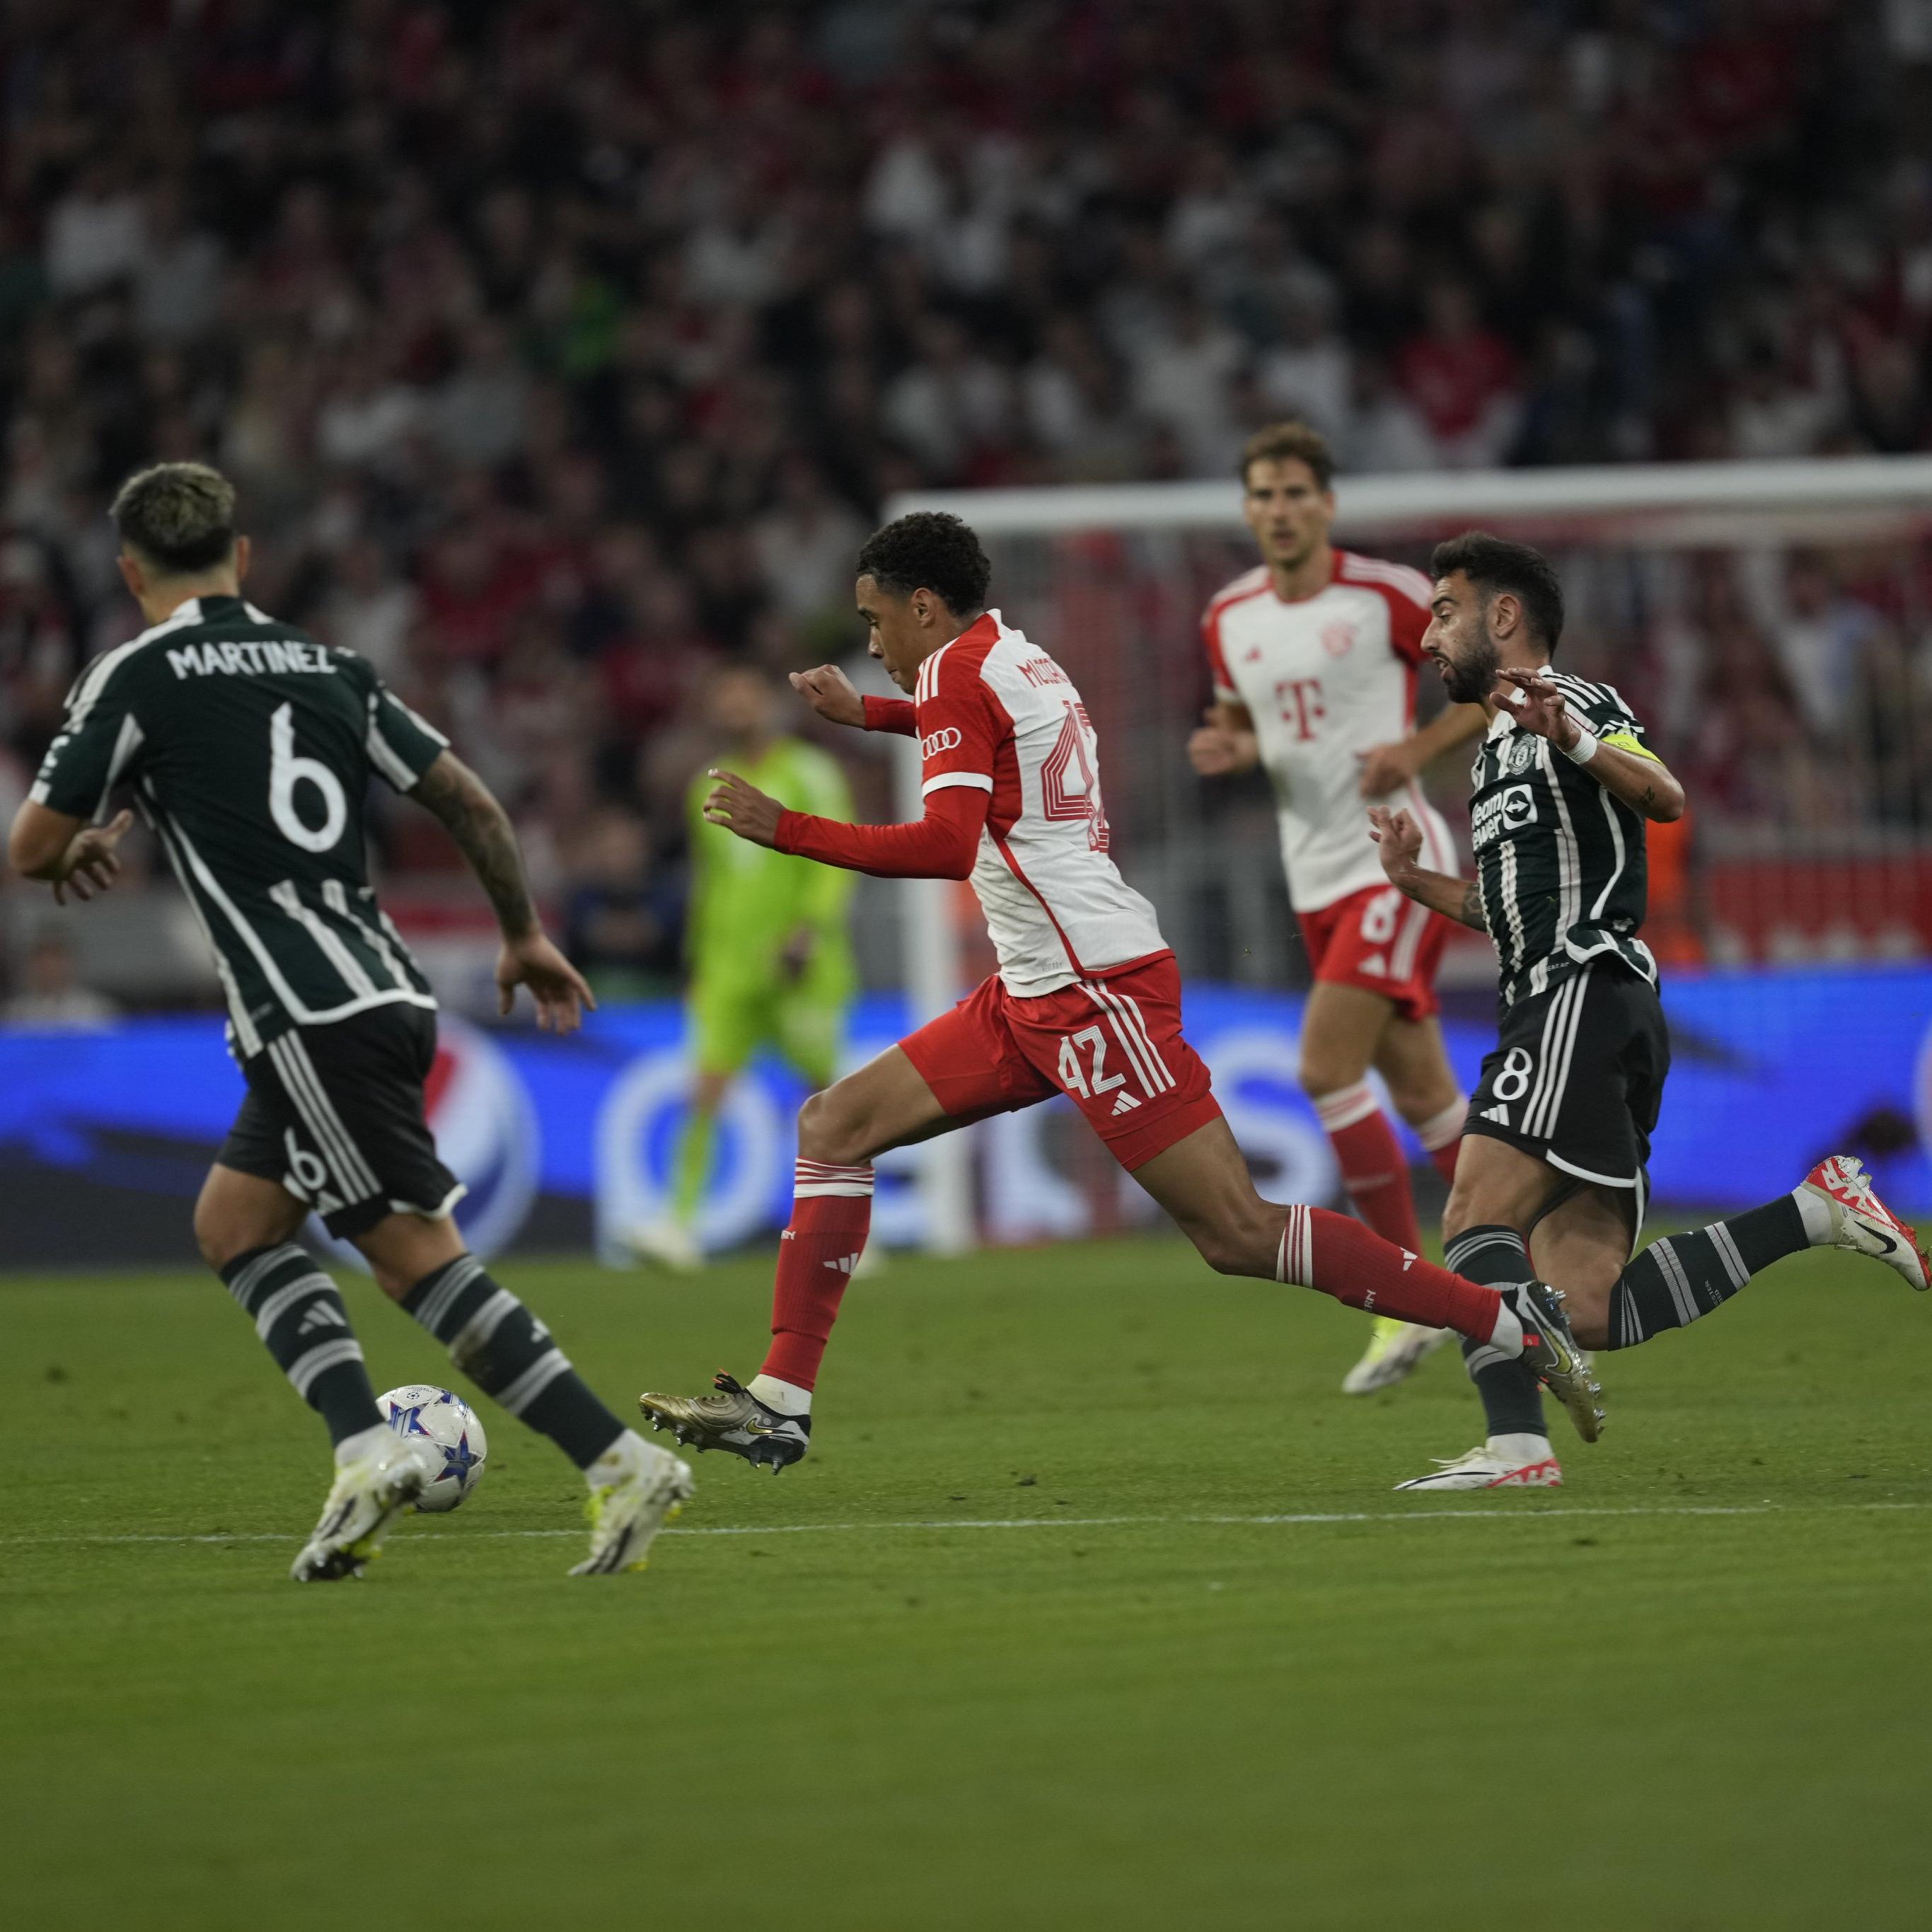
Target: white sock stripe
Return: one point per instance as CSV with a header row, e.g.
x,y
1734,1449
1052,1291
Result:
x,y
1483,1357
1130,1043
279,1303
1439,1129
1295,1250
325,1111
245,1283
832,1166
534,1380
1677,1280
332,1143
811,1189
441,1298
324,1356
1455,1253
1727,1252
484,1322
1281,1255
1346,1105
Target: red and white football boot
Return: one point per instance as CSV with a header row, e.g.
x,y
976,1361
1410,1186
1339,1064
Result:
x,y
1862,1222
1487,1468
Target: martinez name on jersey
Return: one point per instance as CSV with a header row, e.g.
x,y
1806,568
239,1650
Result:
x,y
1559,859
249,746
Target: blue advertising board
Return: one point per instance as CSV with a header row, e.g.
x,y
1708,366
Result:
x,y
106,1132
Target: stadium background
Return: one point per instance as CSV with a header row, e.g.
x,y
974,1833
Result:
x,y
564,352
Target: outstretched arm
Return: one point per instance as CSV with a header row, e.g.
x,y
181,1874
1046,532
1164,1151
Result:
x,y
481,828
1400,840
830,693
1625,767
941,845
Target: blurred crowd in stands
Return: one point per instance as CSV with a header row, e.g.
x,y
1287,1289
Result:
x,y
561,350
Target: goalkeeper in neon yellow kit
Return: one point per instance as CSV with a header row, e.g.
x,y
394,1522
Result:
x,y
769,951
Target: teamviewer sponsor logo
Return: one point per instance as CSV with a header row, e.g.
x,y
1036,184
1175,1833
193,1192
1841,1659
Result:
x,y
933,743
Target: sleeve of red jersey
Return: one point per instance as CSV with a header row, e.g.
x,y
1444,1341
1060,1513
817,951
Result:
x,y
941,845
899,715
1224,692
961,727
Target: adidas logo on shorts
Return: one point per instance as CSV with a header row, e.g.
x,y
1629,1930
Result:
x,y
1499,1114
1126,1104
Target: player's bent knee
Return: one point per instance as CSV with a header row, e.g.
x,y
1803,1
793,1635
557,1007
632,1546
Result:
x,y
833,1128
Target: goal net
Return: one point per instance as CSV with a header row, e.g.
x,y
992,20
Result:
x,y
1771,623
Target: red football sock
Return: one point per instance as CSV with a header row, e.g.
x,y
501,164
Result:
x,y
831,1215
1337,1256
1441,1136
1374,1169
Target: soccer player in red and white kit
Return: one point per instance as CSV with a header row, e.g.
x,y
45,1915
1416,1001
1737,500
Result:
x,y
1315,653
1086,1001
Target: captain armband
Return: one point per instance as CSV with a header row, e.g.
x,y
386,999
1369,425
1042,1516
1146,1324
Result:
x,y
1625,741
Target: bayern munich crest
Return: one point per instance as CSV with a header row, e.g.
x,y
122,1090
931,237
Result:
x,y
486,1133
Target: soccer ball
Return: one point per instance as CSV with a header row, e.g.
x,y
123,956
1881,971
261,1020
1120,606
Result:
x,y
448,1422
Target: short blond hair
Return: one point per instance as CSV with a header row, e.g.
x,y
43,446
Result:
x,y
1290,443
179,517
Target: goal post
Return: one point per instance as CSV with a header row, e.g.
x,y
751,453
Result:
x,y
1772,621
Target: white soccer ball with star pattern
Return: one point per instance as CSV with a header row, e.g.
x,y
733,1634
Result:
x,y
450,1426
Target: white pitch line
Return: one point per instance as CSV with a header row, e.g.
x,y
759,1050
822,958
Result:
x,y
1268,1522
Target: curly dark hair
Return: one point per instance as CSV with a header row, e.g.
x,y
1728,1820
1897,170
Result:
x,y
179,517
929,549
1493,563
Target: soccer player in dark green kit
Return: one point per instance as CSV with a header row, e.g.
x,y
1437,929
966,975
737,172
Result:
x,y
249,747
1551,1177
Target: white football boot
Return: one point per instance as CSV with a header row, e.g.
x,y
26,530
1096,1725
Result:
x,y
380,1473
1393,1351
1861,1223
1487,1468
636,1488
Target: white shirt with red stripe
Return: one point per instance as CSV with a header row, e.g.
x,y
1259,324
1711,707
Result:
x,y
1324,678
996,712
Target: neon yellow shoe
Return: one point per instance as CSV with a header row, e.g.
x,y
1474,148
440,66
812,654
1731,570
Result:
x,y
636,1488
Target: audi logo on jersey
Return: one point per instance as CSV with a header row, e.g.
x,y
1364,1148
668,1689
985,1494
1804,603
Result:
x,y
933,743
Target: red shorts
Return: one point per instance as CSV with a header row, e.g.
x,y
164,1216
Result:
x,y
1114,1046
1382,940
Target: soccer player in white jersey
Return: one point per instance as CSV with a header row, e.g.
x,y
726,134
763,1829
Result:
x,y
1315,653
1086,1001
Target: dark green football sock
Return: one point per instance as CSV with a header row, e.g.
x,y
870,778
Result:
x,y
298,1312
1676,1280
1511,1397
507,1352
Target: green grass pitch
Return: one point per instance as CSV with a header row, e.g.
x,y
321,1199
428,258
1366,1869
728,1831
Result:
x,y
1092,1609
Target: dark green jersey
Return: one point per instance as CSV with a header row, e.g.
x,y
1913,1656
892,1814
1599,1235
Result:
x,y
1560,862
250,747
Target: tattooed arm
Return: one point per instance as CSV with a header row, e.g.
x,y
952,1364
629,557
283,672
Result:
x,y
1400,839
481,828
